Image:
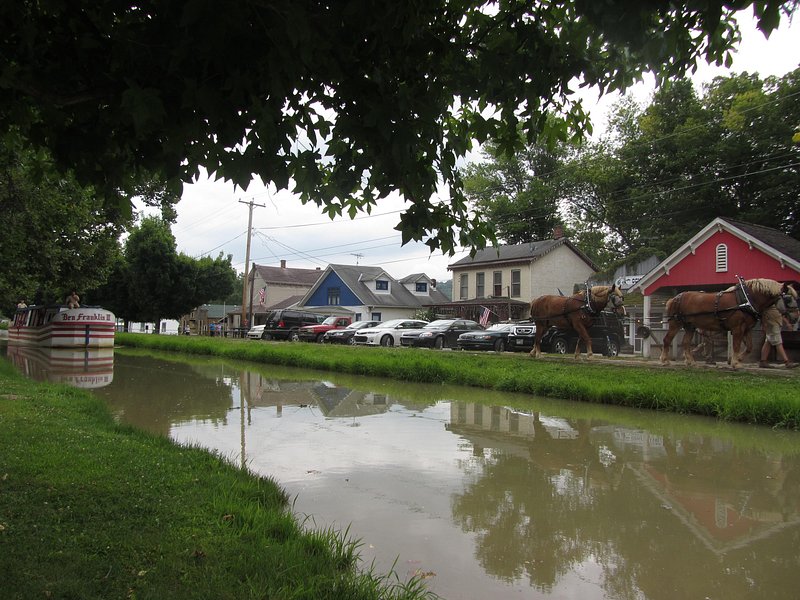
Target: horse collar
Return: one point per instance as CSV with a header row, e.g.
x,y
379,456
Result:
x,y
744,300
589,307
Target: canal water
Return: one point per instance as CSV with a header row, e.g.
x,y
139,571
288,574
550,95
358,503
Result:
x,y
486,495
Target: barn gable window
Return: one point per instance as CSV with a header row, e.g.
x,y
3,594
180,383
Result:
x,y
722,258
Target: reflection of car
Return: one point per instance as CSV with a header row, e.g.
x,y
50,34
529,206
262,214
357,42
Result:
x,y
387,333
283,324
315,333
345,336
494,338
607,334
442,333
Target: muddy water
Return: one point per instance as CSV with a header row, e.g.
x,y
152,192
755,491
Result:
x,y
494,496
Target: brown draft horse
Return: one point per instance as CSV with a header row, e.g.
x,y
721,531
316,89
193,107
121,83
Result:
x,y
576,312
736,310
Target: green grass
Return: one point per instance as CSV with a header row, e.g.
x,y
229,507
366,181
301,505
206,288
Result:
x,y
739,396
91,509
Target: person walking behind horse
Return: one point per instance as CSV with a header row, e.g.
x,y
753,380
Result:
x,y
73,300
773,320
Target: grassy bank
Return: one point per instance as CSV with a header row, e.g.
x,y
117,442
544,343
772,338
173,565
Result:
x,y
90,509
749,397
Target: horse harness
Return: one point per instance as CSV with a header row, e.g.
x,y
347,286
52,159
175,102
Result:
x,y
743,304
585,306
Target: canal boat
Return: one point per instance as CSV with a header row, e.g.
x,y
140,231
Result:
x,y
62,327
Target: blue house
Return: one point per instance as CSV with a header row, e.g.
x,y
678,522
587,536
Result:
x,y
370,293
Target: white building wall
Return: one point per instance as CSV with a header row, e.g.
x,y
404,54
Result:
x,y
559,269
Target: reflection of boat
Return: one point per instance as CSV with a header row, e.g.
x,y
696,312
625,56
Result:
x,y
61,327
92,368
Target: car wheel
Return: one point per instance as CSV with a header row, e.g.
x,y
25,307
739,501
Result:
x,y
266,337
612,349
320,338
439,343
500,345
387,341
351,340
560,346
294,337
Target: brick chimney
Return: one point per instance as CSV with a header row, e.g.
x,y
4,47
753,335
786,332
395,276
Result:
x,y
558,232
283,264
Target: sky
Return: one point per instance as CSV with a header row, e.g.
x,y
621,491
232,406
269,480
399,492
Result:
x,y
213,215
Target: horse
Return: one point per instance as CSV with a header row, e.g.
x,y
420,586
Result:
x,y
736,309
576,312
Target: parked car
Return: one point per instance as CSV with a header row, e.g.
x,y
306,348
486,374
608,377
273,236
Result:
x,y
521,337
607,335
256,332
387,333
345,336
442,333
494,338
283,324
315,332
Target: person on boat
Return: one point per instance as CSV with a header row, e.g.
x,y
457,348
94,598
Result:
x,y
21,304
73,300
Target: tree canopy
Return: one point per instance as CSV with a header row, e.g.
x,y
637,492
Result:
x,y
57,235
343,102
663,171
152,281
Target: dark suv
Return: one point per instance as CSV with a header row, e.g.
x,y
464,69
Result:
x,y
283,324
607,334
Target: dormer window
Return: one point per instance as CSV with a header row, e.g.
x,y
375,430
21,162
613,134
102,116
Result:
x,y
722,258
421,287
382,285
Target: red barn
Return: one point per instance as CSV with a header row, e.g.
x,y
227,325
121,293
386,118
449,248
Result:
x,y
711,261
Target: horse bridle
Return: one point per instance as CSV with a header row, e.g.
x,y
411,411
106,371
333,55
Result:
x,y
787,306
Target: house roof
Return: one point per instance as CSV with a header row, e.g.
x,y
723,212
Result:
x,y
771,242
289,302
354,276
523,253
778,240
287,276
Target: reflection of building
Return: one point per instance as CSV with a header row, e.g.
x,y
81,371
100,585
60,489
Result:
x,y
715,506
727,499
334,401
338,401
723,520
507,420
76,367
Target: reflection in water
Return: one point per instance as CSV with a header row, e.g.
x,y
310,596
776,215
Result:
x,y
486,501
664,517
78,367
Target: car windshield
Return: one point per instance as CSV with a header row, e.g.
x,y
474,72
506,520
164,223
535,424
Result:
x,y
392,323
440,324
330,321
499,327
360,324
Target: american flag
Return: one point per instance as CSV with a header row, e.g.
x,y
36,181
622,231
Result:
x,y
484,320
261,294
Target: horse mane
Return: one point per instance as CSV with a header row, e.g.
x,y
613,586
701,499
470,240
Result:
x,y
769,287
601,291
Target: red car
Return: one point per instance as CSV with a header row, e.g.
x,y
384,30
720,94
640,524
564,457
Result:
x,y
315,333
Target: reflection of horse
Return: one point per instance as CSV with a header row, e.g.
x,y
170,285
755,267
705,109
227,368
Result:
x,y
576,312
736,310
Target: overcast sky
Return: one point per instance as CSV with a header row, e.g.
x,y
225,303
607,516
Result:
x,y
211,218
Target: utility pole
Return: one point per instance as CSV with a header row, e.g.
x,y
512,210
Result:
x,y
251,204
